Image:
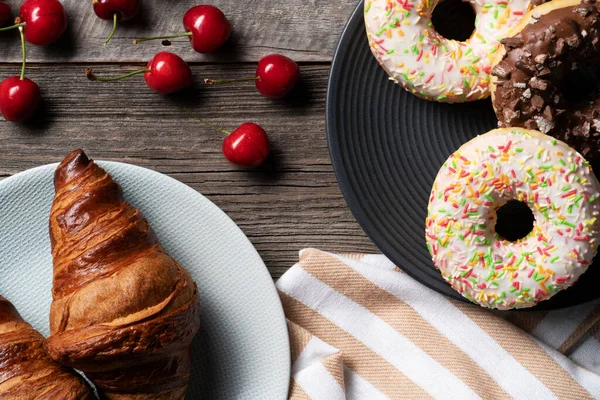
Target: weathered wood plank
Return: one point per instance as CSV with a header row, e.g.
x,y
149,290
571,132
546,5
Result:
x,y
305,30
291,203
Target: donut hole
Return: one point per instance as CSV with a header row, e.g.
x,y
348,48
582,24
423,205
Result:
x,y
454,19
580,82
514,221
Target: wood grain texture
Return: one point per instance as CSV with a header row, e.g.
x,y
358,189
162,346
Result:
x,y
306,30
291,203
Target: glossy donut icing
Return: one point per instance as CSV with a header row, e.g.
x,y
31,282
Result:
x,y
405,43
558,185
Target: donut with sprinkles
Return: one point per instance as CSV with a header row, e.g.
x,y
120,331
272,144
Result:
x,y
404,41
507,164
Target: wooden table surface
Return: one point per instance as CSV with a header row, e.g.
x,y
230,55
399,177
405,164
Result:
x,y
291,203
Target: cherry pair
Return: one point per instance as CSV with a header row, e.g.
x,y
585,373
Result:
x,y
248,145
167,73
40,22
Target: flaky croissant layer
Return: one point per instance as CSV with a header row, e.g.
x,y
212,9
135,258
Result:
x,y
123,311
26,371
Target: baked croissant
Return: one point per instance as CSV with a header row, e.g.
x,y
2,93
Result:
x,y
123,311
26,372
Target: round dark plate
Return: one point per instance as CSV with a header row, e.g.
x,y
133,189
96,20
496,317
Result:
x,y
386,147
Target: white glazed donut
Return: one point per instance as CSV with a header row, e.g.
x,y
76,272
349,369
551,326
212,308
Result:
x,y
507,164
405,43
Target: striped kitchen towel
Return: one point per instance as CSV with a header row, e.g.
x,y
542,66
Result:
x,y
362,329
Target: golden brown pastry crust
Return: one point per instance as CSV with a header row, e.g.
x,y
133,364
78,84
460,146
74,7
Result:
x,y
123,311
26,372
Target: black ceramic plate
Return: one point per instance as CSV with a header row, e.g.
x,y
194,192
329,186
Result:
x,y
387,146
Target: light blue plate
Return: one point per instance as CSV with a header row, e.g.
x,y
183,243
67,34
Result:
x,y
242,349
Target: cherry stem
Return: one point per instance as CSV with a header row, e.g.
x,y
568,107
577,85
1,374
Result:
x,y
209,81
89,73
114,29
15,26
136,41
216,128
23,52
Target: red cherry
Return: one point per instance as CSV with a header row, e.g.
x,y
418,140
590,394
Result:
x,y
5,13
19,98
166,73
206,26
209,27
248,145
45,21
277,76
125,9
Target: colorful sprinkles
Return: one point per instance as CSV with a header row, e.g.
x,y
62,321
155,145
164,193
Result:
x,y
406,44
483,175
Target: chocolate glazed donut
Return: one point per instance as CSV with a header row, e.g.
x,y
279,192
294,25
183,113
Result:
x,y
550,41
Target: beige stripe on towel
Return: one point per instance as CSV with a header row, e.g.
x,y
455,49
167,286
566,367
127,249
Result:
x,y
405,320
375,333
357,356
525,350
